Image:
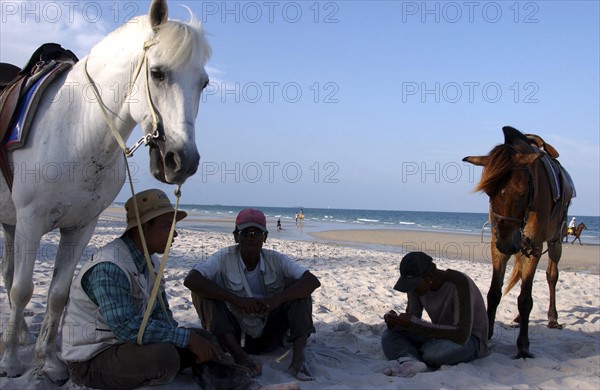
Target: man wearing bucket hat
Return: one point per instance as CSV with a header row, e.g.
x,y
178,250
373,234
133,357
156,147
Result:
x,y
458,330
249,297
107,302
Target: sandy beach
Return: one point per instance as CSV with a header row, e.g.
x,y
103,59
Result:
x,y
357,274
453,246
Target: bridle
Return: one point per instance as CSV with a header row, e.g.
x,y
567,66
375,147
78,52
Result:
x,y
146,139
527,247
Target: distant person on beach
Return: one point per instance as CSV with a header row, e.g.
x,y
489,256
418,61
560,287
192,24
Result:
x,y
106,306
571,229
458,331
249,297
279,224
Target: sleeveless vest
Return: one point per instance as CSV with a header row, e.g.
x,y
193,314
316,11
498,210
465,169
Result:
x,y
85,332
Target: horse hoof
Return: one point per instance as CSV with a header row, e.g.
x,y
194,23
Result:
x,y
555,325
12,372
58,382
56,372
523,355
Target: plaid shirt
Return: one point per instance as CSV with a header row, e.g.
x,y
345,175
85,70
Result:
x,y
108,287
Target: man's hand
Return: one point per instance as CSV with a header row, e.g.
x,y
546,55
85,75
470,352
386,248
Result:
x,y
393,319
271,303
252,305
204,347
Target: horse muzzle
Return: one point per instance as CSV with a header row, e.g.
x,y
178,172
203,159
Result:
x,y
173,166
509,245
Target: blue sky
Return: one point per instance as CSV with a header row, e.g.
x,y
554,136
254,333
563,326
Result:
x,y
364,104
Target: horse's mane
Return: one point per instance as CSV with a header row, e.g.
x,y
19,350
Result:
x,y
178,42
496,170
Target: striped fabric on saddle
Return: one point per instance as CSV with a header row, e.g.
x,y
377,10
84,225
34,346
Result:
x,y
20,92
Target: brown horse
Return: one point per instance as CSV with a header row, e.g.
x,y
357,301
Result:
x,y
524,213
576,232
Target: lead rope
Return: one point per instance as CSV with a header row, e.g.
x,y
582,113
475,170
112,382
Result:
x,y
128,152
161,270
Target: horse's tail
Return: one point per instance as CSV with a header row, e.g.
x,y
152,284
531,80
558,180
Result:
x,y
514,276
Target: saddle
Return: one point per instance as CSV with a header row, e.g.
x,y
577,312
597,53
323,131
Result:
x,y
561,183
20,91
538,142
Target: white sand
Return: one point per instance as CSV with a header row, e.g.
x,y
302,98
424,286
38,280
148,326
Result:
x,y
356,290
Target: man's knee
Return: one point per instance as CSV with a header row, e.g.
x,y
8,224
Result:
x,y
166,361
301,308
388,345
437,353
299,317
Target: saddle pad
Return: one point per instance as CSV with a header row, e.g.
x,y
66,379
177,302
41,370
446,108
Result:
x,y
28,103
567,179
559,178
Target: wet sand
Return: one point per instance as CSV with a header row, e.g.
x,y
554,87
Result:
x,y
454,246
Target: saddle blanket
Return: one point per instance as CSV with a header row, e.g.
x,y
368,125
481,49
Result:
x,y
28,103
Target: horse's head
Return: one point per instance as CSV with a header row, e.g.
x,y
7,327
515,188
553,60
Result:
x,y
507,180
170,79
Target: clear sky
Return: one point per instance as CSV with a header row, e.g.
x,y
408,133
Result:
x,y
363,104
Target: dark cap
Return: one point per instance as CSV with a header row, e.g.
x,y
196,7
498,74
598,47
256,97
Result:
x,y
413,267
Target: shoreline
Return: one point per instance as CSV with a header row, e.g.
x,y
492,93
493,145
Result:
x,y
450,246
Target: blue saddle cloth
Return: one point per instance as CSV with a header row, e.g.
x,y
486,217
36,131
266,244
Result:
x,y
28,102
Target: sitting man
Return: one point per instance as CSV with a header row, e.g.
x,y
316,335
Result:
x,y
458,330
106,306
249,297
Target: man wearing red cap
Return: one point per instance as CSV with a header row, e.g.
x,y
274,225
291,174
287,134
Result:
x,y
249,297
458,330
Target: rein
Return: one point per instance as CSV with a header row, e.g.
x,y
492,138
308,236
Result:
x,y
128,152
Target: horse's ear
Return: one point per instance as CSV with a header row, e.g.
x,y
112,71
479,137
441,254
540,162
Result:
x,y
159,13
511,134
477,160
523,160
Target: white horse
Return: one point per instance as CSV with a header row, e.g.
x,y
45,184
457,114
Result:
x,y
70,134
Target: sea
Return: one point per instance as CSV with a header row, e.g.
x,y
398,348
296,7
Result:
x,y
321,219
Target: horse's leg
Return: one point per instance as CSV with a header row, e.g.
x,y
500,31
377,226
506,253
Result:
x,y
525,303
8,270
494,295
70,248
554,253
26,244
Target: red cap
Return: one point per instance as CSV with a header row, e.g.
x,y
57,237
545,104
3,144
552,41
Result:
x,y
251,218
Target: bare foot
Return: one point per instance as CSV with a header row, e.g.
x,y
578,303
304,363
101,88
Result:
x,y
302,373
282,386
254,367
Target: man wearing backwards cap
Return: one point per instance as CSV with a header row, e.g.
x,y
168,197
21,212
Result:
x,y
107,302
249,297
458,330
